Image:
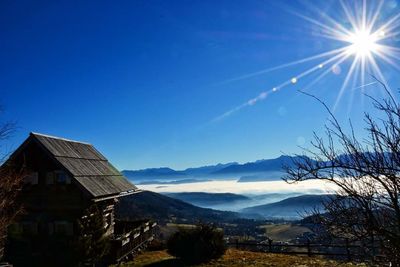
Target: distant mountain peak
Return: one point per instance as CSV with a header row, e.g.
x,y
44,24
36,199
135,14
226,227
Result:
x,y
262,165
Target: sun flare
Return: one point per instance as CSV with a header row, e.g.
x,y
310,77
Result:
x,y
367,38
363,43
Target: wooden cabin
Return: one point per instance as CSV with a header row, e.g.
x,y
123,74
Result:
x,y
64,178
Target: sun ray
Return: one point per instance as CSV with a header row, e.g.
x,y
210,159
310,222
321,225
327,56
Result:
x,y
326,62
328,19
362,42
305,73
381,77
388,58
329,31
389,25
375,16
285,65
348,14
364,14
353,85
388,49
324,73
346,80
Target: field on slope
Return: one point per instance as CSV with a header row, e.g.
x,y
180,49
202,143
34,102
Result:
x,y
284,232
236,258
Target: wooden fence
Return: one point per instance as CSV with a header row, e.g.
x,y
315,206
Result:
x,y
346,251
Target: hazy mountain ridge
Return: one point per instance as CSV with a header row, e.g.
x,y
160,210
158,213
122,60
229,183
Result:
x,y
183,181
188,204
265,165
208,169
166,207
165,172
260,166
229,201
293,207
203,198
153,172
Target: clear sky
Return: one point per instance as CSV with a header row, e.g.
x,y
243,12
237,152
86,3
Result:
x,y
163,83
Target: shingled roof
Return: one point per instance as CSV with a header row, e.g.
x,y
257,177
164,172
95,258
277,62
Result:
x,y
87,166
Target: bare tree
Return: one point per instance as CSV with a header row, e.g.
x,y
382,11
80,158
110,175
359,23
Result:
x,y
365,172
10,186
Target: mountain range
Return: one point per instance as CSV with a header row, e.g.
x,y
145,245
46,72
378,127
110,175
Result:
x,y
260,166
264,168
171,207
168,173
264,165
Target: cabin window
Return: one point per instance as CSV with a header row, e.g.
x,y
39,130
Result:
x,y
32,178
62,177
63,228
58,177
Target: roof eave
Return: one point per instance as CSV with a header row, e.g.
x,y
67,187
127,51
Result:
x,y
122,194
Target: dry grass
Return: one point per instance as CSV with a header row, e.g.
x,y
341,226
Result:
x,y
284,232
236,258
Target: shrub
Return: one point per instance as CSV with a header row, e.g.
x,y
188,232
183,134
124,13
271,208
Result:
x,y
200,244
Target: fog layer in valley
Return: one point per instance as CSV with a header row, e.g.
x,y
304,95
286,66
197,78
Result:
x,y
257,192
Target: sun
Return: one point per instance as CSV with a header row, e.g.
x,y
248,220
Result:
x,y
364,37
363,43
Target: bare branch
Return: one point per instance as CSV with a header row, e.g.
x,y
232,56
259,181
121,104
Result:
x,y
365,173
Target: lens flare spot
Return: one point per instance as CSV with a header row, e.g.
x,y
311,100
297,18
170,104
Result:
x,y
336,69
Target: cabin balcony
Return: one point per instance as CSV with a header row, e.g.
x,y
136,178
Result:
x,y
130,237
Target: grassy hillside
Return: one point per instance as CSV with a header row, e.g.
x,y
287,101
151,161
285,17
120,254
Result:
x,y
284,232
237,258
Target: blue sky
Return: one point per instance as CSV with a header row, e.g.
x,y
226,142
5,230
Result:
x,y
144,81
